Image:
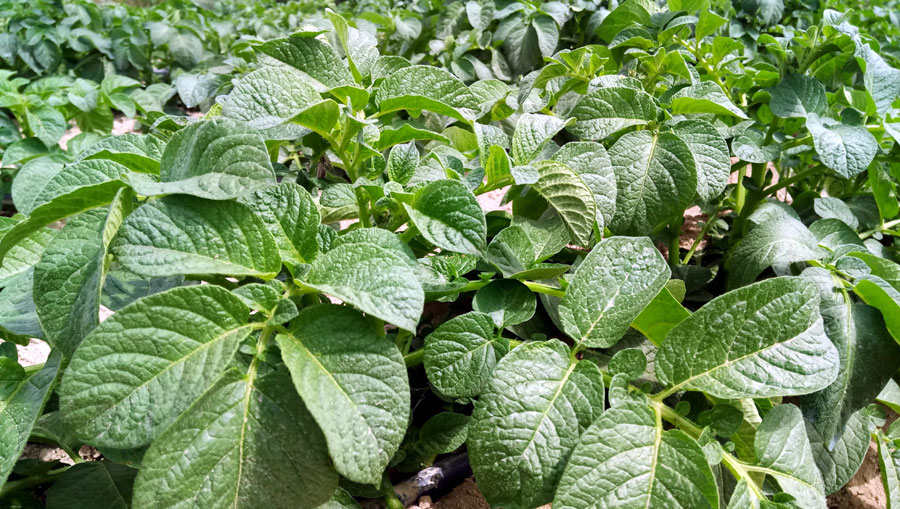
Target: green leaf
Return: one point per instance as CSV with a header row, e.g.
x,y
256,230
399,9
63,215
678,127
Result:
x,y
608,110
528,421
779,240
768,12
507,301
889,464
660,316
890,395
783,448
868,358
846,149
77,176
402,162
708,23
830,207
25,252
291,216
533,131
611,287
569,196
92,484
656,179
17,313
879,294
838,462
186,235
705,97
406,133
548,233
763,340
626,14
70,275
310,55
140,153
269,97
216,159
31,179
625,459
711,157
47,124
885,269
444,433
354,383
591,162
448,215
461,354
881,80
374,272
321,117
20,408
421,87
248,441
798,96
152,358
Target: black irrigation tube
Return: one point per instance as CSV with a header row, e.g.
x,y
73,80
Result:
x,y
437,479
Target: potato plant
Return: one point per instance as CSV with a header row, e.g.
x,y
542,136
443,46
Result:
x,y
309,302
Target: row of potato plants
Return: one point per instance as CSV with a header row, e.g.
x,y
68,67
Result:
x,y
310,302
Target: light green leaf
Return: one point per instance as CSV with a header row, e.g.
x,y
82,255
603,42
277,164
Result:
x,y
152,358
611,287
830,207
31,179
710,153
247,442
608,110
70,275
20,409
460,355
626,14
656,179
25,252
846,149
374,275
216,159
354,383
889,464
626,460
660,316
548,234
291,216
269,97
77,176
779,240
567,193
525,425
879,294
591,162
763,340
402,162
507,301
224,237
533,131
881,80
140,153
797,96
312,56
448,215
421,87
705,97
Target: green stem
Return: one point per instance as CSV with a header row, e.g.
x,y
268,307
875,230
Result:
x,y
783,183
740,193
33,368
710,221
408,234
34,480
391,501
883,229
542,288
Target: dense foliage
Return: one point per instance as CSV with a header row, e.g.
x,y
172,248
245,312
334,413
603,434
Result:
x,y
309,302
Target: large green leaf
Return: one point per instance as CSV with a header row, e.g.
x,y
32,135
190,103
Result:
x,y
763,340
591,162
77,176
20,408
373,271
846,149
312,56
839,461
152,358
611,287
93,484
868,358
421,87
608,110
140,153
656,179
25,253
626,460
460,355
186,235
291,216
710,153
70,275
796,96
525,425
881,80
448,215
248,442
567,193
783,449
354,383
17,312
778,240
269,96
216,159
